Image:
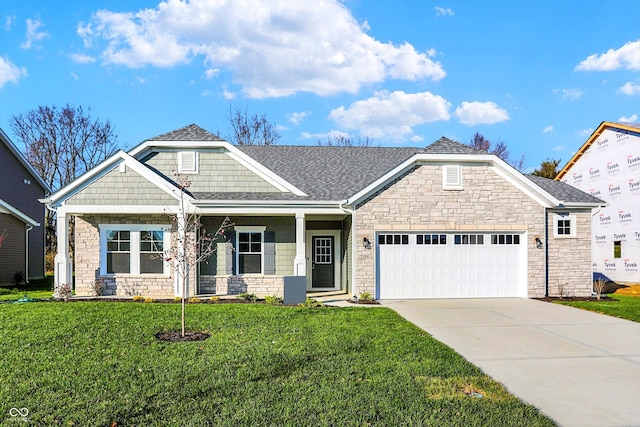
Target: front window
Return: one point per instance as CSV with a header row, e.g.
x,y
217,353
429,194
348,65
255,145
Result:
x,y
564,227
151,251
118,251
249,251
133,249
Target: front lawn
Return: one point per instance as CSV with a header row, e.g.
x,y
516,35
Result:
x,y
37,289
96,363
626,306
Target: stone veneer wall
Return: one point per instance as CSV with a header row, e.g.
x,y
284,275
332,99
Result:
x,y
570,258
87,260
261,286
417,202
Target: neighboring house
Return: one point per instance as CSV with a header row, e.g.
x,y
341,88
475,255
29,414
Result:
x,y
445,221
607,166
21,215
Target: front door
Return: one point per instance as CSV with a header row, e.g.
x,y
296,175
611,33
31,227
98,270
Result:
x,y
323,262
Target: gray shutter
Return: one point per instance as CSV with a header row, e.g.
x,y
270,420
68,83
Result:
x,y
231,234
269,252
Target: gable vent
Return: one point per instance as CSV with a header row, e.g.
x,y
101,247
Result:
x,y
188,162
452,176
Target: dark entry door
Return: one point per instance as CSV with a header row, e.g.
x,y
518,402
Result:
x,y
323,262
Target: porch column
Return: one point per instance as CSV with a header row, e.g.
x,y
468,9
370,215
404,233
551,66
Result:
x,y
181,260
62,261
300,261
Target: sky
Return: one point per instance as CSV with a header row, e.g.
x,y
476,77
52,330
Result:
x,y
539,76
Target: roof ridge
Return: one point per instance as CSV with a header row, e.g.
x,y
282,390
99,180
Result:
x,y
191,132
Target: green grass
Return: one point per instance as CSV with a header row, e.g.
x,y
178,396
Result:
x,y
93,363
36,289
625,306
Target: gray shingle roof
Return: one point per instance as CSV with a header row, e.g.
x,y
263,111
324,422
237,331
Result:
x,y
191,132
563,191
329,173
447,146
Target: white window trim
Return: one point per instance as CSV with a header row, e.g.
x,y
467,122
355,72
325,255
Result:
x,y
249,229
447,170
135,230
573,224
181,166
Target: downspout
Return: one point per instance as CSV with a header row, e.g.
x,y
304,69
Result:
x,y
28,228
351,212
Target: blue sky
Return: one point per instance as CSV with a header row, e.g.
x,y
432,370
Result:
x,y
538,75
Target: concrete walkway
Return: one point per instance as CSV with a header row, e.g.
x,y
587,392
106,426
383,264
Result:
x,y
579,368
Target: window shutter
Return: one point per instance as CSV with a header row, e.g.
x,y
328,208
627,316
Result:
x,y
232,251
451,176
269,252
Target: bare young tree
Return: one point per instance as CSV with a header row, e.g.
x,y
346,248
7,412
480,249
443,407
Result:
x,y
499,149
346,141
191,242
61,144
251,129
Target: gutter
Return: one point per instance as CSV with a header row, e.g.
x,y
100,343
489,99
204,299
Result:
x,y
28,228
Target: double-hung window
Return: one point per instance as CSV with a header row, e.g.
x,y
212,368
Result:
x,y
250,250
133,249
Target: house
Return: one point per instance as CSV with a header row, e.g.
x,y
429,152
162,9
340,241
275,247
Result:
x,y
21,215
607,166
445,221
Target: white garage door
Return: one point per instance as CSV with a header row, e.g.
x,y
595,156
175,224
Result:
x,y
451,265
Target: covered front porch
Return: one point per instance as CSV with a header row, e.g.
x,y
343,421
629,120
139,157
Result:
x,y
262,249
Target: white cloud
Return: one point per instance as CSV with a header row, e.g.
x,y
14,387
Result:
x,y
33,35
569,93
631,119
392,115
8,21
297,118
630,88
82,59
228,95
332,134
441,11
547,129
271,49
474,113
10,73
559,148
585,132
74,76
628,56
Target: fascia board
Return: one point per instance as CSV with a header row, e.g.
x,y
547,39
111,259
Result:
x,y
233,152
117,209
18,214
11,146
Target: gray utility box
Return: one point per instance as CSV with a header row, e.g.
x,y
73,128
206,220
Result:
x,y
295,289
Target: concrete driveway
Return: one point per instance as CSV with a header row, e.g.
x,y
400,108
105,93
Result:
x,y
579,368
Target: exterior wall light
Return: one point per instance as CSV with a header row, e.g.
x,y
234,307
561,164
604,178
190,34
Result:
x,y
366,242
538,243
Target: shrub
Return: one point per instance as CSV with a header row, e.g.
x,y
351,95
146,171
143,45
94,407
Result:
x,y
7,291
138,298
273,299
366,296
177,299
18,278
148,299
214,299
62,291
598,287
247,297
311,303
98,287
193,300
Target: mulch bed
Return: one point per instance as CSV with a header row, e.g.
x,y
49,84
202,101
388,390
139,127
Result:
x,y
176,336
352,301
571,299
